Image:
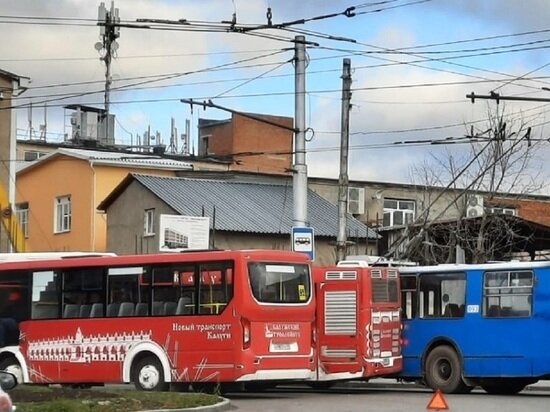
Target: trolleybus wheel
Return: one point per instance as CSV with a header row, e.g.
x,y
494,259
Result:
x,y
148,375
505,386
11,365
443,370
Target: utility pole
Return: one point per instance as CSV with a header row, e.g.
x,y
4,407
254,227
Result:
x,y
109,30
299,181
343,181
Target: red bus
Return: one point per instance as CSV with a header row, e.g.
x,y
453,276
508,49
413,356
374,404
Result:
x,y
358,322
195,317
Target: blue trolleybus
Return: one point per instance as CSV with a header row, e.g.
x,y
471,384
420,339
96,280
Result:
x,y
482,325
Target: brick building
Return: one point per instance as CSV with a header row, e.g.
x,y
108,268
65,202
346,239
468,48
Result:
x,y
263,145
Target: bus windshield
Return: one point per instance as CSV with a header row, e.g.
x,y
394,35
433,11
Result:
x,y
280,283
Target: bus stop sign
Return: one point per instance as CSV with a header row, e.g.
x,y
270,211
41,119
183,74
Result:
x,y
303,240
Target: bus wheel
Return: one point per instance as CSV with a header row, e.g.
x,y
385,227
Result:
x,y
148,375
504,386
444,371
11,365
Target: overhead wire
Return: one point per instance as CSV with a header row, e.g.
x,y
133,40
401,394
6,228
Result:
x,y
167,77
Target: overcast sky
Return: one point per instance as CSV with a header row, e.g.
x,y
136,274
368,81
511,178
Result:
x,y
488,44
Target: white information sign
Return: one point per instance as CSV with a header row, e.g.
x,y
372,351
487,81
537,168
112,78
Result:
x,y
178,233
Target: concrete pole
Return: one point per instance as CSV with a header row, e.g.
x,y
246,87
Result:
x,y
109,38
300,168
343,181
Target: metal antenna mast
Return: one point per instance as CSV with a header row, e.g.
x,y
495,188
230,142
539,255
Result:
x,y
109,30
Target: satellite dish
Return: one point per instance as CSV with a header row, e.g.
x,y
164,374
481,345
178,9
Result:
x,y
98,46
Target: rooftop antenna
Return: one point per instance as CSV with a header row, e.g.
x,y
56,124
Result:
x,y
109,31
29,116
186,137
44,127
173,148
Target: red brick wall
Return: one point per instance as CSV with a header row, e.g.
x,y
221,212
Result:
x,y
220,141
264,148
273,144
537,211
534,210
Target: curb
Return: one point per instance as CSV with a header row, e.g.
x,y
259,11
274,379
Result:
x,y
223,405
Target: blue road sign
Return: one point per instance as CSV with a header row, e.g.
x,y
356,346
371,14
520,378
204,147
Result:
x,y
303,240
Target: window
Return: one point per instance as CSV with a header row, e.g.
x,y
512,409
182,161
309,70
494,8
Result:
x,y
45,301
22,213
497,210
204,148
82,289
356,200
507,294
14,295
31,155
173,290
442,295
409,296
149,222
215,287
189,289
384,290
279,283
124,291
398,212
62,214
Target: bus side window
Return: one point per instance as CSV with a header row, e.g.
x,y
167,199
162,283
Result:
x,y
45,302
216,287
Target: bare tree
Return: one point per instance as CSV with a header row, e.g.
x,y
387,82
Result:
x,y
499,166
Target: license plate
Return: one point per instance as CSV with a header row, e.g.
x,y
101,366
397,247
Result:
x,y
283,347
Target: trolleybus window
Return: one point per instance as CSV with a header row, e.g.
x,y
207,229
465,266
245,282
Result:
x,y
442,295
507,294
276,283
409,297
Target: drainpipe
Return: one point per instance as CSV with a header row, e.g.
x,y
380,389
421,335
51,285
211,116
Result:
x,y
92,227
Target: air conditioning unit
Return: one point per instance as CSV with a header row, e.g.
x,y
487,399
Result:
x,y
474,206
356,200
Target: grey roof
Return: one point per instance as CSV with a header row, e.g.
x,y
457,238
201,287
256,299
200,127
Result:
x,y
119,159
248,207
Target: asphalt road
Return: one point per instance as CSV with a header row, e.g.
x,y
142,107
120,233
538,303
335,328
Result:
x,y
363,398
